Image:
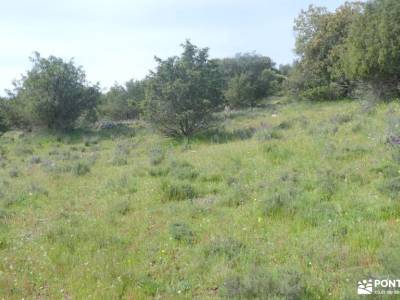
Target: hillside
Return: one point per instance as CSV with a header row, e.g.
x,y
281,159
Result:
x,y
293,201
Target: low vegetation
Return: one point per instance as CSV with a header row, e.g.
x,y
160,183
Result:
x,y
224,178
241,218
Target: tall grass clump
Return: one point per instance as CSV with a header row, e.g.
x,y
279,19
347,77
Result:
x,y
172,191
156,155
265,283
182,232
80,168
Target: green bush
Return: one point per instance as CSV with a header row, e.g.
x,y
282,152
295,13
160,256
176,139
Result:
x,y
177,191
182,232
80,168
261,283
226,247
183,92
4,123
319,93
156,155
281,201
55,94
118,104
183,170
391,187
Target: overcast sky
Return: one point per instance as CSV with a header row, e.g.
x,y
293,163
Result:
x,y
116,40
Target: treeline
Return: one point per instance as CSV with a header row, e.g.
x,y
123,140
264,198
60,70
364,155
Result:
x,y
179,97
357,47
338,53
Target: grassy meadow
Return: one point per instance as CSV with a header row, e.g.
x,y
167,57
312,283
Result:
x,y
290,201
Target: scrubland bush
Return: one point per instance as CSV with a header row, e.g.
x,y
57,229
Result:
x,y
14,172
156,155
177,191
264,283
183,170
80,168
35,160
225,247
183,92
182,233
55,93
122,207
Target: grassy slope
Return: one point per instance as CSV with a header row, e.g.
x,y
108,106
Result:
x,y
303,210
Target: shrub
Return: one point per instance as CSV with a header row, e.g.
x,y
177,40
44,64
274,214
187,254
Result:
x,y
54,152
182,232
264,284
149,286
36,189
226,247
275,153
159,171
177,191
35,160
183,170
341,118
280,201
80,168
122,207
117,103
241,91
14,172
326,92
248,79
389,255
120,156
372,48
328,184
88,141
119,160
391,187
55,93
236,195
4,123
123,148
221,135
123,185
23,149
183,92
268,134
285,125
156,155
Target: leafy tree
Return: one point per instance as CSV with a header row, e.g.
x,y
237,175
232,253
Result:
x,y
248,78
55,93
241,91
117,105
373,47
320,43
4,123
285,69
124,102
136,90
183,92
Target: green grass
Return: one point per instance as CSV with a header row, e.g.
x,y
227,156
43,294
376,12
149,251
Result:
x,y
297,201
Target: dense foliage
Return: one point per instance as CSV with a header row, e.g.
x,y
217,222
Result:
x,y
55,93
320,42
248,78
358,44
374,47
183,92
3,116
124,102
